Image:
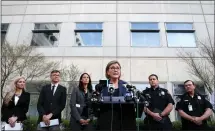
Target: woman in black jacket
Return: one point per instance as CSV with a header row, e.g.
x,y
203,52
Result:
x,y
81,110
15,103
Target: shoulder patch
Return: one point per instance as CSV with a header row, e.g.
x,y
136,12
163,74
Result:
x,y
178,99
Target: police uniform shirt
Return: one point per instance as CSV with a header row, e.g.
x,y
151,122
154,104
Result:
x,y
193,106
158,98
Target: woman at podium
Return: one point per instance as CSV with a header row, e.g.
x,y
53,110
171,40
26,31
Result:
x,y
114,116
113,73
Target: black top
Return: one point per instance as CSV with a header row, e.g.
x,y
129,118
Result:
x,y
19,110
198,104
49,103
85,109
158,98
116,92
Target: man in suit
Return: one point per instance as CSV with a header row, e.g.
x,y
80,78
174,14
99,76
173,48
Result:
x,y
51,102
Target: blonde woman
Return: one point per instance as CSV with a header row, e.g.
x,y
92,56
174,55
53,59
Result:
x,y
15,103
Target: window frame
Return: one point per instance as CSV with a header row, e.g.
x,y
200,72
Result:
x,y
180,31
37,31
88,31
144,31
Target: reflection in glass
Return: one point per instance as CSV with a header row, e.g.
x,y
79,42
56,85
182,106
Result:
x,y
144,26
179,26
181,40
89,26
4,27
54,26
88,38
3,37
45,39
145,39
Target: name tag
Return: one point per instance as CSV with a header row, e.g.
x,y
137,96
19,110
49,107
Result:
x,y
190,107
78,105
199,97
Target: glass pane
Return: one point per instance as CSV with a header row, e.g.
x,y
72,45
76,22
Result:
x,y
144,26
177,26
89,39
145,39
54,26
3,37
142,87
45,39
181,40
179,90
89,26
4,27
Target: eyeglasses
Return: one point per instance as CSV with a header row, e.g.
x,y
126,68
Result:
x,y
114,68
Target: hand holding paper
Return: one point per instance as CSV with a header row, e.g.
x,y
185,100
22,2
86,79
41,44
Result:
x,y
51,123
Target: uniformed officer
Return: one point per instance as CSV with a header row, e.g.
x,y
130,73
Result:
x,y
159,107
193,108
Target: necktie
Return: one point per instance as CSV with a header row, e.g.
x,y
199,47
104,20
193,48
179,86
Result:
x,y
53,87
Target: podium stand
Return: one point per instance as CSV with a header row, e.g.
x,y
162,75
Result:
x,y
116,115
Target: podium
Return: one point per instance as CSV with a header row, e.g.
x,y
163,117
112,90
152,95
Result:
x,y
116,115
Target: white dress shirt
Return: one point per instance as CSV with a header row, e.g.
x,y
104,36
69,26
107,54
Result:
x,y
56,85
16,99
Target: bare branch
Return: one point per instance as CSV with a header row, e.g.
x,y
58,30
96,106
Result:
x,y
202,68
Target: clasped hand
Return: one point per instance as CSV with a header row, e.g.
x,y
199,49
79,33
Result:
x,y
197,120
46,119
84,122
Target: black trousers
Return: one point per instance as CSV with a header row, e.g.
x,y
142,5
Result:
x,y
152,125
203,127
76,126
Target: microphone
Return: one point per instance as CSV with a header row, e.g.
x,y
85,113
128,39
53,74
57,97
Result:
x,y
111,88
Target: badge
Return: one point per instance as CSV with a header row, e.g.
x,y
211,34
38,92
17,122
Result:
x,y
162,93
199,97
190,107
78,105
178,99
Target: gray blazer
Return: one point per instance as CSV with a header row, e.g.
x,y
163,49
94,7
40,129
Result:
x,y
77,98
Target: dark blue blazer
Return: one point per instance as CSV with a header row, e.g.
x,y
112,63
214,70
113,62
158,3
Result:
x,y
122,89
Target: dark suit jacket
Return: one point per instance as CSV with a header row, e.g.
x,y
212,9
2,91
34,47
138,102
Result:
x,y
122,89
47,103
77,97
19,110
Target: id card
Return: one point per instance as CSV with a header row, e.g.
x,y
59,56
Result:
x,y
190,107
78,105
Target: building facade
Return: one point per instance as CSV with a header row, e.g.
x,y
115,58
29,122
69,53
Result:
x,y
144,36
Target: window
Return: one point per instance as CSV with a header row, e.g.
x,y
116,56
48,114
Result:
x,y
145,34
88,34
143,86
46,34
180,35
4,27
